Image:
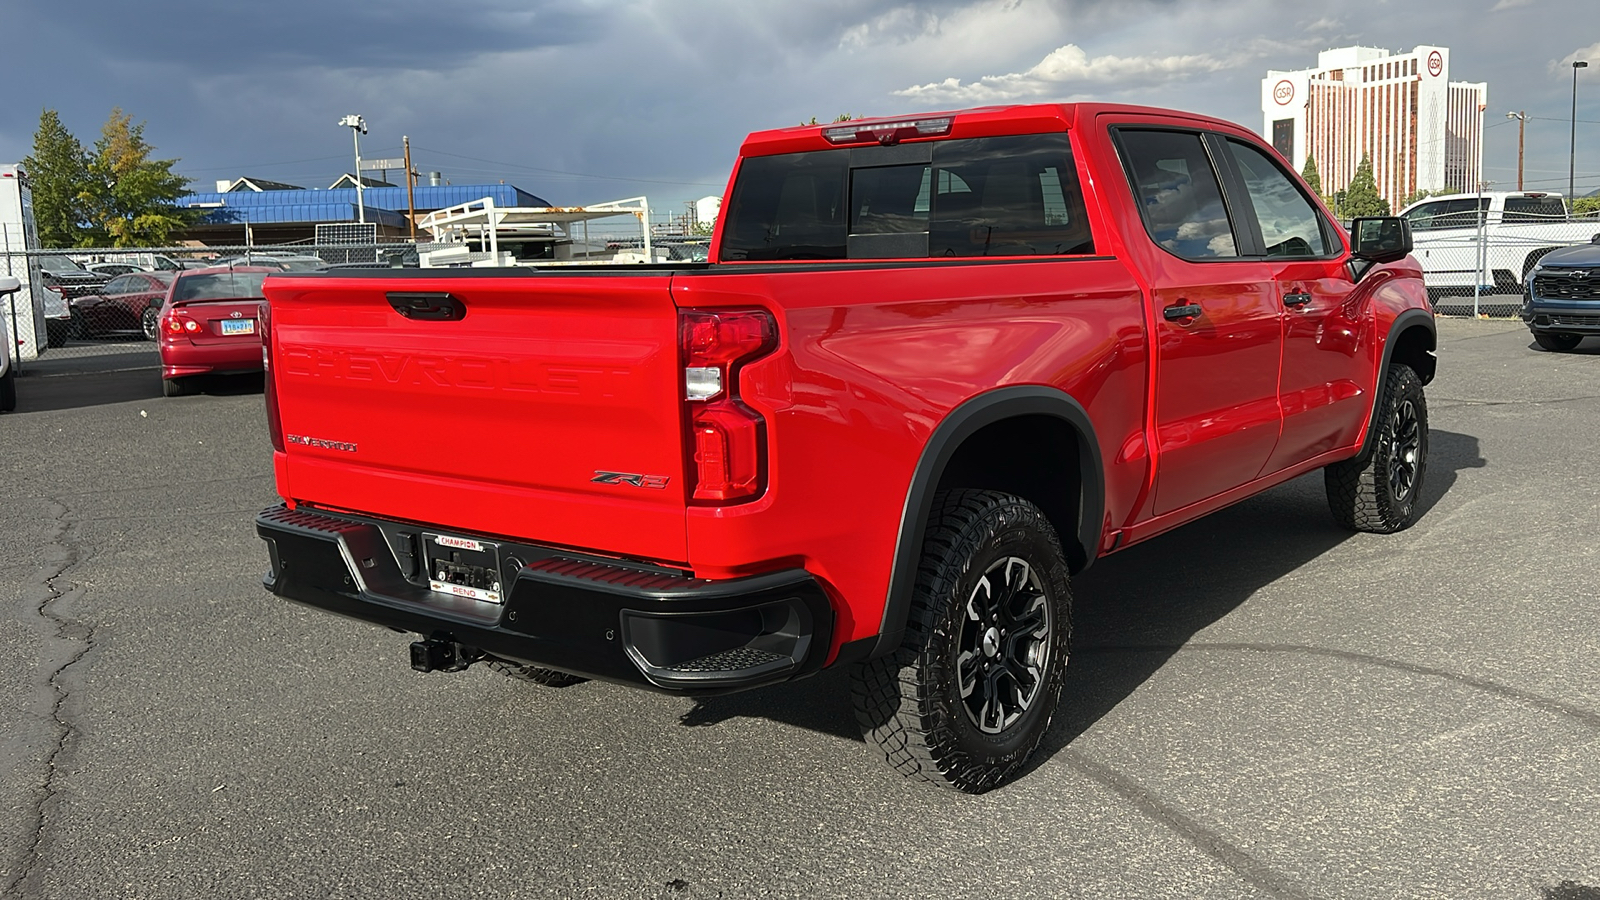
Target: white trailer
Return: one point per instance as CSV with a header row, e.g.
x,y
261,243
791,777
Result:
x,y
480,233
24,310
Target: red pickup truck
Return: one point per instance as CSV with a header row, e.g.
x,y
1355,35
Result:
x,y
934,366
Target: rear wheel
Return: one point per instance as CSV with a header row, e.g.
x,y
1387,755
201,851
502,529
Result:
x,y
55,333
149,322
1377,491
1557,341
174,387
535,674
78,326
969,695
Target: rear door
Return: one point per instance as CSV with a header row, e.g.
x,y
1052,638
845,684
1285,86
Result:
x,y
1217,321
543,407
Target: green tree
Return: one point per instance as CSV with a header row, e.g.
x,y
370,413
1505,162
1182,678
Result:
x,y
1586,206
135,195
58,174
1309,173
1361,197
1415,196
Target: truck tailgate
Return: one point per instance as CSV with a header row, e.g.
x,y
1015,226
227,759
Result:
x,y
491,406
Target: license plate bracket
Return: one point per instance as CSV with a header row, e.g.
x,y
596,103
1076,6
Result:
x,y
463,567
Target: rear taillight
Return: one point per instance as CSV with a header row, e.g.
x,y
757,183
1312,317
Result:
x,y
180,324
274,423
727,440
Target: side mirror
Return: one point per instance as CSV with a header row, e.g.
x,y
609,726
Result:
x,y
1380,239
9,284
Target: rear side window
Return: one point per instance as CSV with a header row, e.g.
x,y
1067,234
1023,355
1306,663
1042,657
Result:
x,y
220,286
1005,196
1534,209
1178,193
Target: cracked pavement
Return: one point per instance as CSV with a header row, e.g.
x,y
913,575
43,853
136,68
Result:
x,y
1259,705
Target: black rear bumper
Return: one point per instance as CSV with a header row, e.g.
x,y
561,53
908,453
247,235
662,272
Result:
x,y
657,629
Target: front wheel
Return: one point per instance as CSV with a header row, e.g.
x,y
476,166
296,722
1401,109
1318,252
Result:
x,y
1557,341
149,322
1377,491
970,694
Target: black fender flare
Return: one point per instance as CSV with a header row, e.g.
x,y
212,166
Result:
x,y
1405,320
963,422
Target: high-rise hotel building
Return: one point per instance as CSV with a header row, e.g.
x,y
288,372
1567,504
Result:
x,y
1421,130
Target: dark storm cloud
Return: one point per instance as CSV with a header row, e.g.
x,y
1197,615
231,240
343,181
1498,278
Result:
x,y
240,37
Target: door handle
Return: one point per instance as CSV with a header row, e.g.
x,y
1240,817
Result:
x,y
1173,313
1296,299
437,307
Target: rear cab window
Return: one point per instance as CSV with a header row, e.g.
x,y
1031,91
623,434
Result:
x,y
977,197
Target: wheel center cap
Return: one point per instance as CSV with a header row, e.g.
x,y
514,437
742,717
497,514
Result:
x,y
991,642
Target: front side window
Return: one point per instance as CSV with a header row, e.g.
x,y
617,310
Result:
x,y
1178,193
1290,226
1004,196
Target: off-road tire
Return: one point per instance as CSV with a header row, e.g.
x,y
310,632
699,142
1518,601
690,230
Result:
x,y
1377,492
910,702
535,674
1557,342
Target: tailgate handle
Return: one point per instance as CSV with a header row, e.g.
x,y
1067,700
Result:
x,y
440,307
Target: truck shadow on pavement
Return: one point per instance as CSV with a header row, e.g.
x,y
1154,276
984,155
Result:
x,y
1135,609
47,393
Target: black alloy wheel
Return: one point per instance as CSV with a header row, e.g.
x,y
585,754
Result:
x,y
1004,641
1405,451
1378,491
150,322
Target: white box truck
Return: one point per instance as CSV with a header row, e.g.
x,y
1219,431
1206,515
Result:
x,y
24,310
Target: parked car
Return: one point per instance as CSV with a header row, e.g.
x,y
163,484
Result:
x,y
63,280
274,261
1562,303
210,325
126,303
9,284
113,269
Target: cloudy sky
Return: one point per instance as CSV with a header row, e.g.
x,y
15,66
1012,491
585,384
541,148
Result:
x,y
581,101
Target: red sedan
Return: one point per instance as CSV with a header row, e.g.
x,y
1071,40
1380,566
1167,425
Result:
x,y
130,302
210,325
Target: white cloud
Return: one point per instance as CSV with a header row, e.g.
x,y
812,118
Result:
x,y
1590,54
1065,68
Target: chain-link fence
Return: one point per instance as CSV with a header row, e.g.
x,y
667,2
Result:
x,y
104,303
1483,271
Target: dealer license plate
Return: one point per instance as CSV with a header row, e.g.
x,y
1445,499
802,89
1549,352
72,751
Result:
x,y
463,567
238,326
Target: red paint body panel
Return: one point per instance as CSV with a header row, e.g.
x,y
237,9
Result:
x,y
495,424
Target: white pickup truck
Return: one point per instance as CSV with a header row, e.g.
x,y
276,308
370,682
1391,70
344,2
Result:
x,y
1490,240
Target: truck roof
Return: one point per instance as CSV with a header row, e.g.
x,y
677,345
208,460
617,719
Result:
x,y
982,121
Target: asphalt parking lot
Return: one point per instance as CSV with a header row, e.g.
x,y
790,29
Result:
x,y
1259,705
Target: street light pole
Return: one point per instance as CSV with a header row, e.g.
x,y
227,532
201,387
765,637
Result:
x,y
1522,124
358,127
1572,152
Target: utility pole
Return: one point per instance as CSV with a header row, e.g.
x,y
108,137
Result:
x,y
1522,125
411,202
358,127
1572,151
